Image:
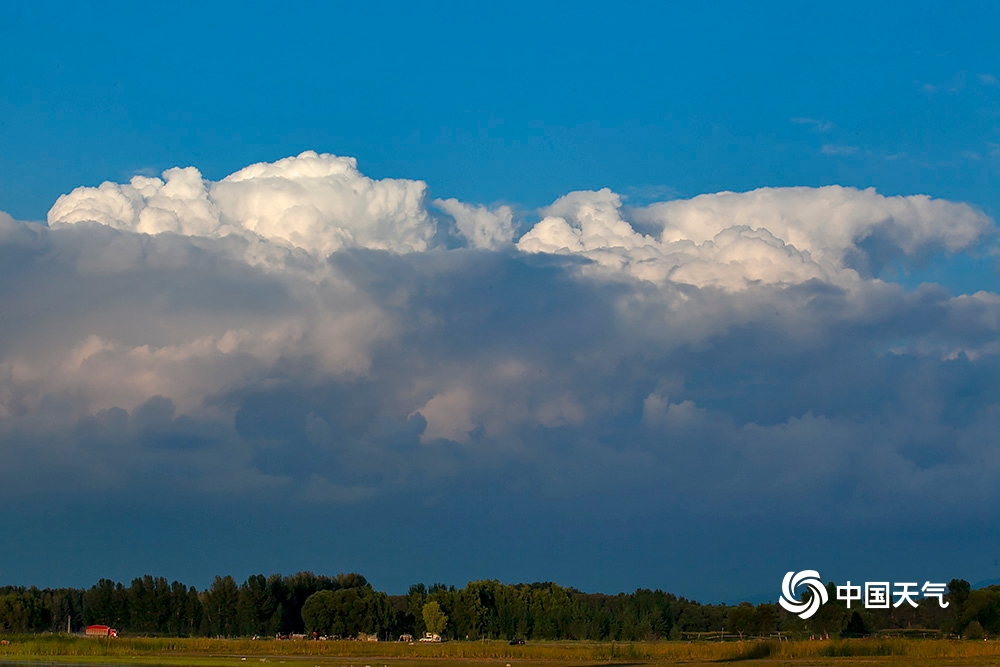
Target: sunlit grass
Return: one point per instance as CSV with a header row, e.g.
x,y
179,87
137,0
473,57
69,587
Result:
x,y
228,652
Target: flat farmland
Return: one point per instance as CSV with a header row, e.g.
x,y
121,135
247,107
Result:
x,y
62,649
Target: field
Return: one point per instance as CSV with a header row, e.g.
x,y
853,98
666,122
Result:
x,y
59,650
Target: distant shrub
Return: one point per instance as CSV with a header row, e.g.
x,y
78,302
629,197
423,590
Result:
x,y
974,631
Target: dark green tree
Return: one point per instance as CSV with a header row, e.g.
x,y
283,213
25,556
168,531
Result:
x,y
257,607
742,619
220,604
348,612
958,592
858,626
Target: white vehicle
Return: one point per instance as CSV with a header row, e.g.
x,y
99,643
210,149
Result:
x,y
430,637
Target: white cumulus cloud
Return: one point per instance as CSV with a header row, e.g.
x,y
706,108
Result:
x,y
480,226
318,202
769,236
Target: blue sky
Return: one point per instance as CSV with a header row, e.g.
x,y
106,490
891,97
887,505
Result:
x,y
513,102
405,339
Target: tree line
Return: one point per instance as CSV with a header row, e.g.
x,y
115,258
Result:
x,y
347,606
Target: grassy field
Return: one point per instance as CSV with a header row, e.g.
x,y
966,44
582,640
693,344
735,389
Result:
x,y
56,649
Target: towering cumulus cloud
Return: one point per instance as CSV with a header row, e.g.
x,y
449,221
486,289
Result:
x,y
783,235
320,203
299,331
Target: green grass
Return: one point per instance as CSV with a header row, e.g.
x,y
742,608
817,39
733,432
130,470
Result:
x,y
63,649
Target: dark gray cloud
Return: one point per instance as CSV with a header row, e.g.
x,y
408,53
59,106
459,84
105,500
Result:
x,y
738,364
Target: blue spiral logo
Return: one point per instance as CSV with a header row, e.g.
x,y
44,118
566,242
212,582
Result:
x,y
792,603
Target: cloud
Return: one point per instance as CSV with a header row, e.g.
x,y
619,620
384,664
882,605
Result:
x,y
838,149
953,86
819,124
732,240
479,226
297,333
320,203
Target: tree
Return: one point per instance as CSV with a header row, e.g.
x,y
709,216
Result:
x,y
149,604
983,608
220,603
103,603
767,618
256,606
348,612
22,612
958,592
742,619
857,626
974,631
416,598
180,622
434,618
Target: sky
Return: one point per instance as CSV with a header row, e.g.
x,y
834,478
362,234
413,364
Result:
x,y
638,295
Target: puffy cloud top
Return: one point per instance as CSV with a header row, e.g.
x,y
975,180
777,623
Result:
x,y
318,202
770,236
481,227
321,203
826,221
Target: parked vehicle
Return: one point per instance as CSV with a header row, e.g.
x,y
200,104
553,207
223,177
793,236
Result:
x,y
101,631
